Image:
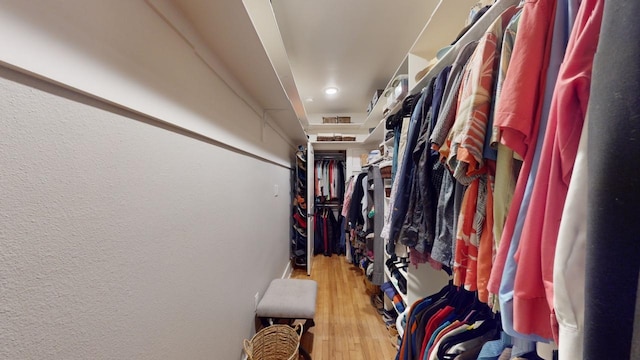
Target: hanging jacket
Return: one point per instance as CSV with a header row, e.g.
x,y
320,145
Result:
x,y
355,209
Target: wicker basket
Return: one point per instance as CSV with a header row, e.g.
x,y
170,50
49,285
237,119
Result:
x,y
275,342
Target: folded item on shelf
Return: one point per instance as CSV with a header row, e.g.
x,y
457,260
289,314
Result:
x,y
389,290
398,303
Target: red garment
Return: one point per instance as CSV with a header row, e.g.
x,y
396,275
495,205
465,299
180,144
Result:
x,y
518,111
463,235
486,251
533,287
436,320
454,325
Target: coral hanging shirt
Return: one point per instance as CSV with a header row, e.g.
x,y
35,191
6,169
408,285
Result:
x,y
517,114
533,297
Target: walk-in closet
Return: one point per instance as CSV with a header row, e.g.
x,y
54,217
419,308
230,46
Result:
x,y
363,179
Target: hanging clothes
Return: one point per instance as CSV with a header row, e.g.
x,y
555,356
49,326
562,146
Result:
x,y
463,150
508,129
445,325
419,227
330,180
329,235
517,113
355,217
534,277
506,286
447,212
404,176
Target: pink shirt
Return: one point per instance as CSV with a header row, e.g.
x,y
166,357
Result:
x,y
518,111
533,296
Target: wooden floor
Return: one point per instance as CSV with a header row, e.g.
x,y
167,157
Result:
x,y
347,325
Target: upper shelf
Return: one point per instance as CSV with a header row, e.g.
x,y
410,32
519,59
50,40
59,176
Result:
x,y
472,34
443,26
376,114
445,23
336,127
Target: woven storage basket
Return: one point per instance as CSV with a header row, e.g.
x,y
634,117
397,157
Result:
x,y
275,342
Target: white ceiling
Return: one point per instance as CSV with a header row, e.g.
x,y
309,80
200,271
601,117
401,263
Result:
x,y
285,56
355,45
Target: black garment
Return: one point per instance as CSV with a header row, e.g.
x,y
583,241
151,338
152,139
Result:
x,y
613,259
319,231
334,234
355,208
340,180
339,247
329,236
475,19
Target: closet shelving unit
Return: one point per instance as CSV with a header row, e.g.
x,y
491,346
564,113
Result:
x,y
375,191
394,282
299,219
444,24
376,117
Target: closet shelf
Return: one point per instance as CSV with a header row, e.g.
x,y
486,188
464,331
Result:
x,y
337,127
376,115
376,135
442,28
474,33
394,282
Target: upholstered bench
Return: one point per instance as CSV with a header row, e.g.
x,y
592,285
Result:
x,y
289,300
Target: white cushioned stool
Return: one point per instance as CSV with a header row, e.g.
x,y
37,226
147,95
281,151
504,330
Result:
x,y
289,300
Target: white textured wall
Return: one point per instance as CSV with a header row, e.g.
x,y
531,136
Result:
x,y
123,240
124,52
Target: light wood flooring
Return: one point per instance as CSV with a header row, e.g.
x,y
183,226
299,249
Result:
x,y
347,325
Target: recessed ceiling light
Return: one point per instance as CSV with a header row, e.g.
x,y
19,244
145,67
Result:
x,y
309,99
331,90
